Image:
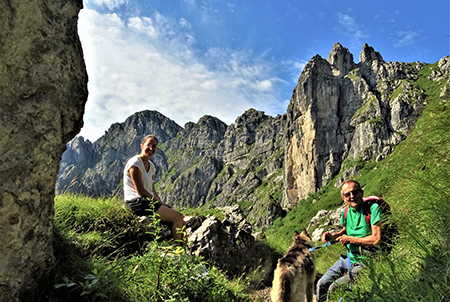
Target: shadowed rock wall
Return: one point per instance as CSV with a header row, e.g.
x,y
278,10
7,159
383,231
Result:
x,y
43,90
341,110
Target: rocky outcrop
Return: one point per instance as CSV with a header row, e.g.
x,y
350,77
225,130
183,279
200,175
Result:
x,y
341,60
219,241
342,110
325,221
444,69
43,89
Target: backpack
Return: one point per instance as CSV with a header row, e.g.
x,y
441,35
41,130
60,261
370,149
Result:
x,y
388,230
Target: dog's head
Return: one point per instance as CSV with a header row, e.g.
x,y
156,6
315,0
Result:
x,y
304,235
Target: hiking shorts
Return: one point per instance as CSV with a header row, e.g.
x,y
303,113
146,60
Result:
x,y
143,206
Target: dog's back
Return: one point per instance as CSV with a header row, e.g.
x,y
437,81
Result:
x,y
296,272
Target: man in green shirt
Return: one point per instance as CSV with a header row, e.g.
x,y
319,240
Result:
x,y
356,235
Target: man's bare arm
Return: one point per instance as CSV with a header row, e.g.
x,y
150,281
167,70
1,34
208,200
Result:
x,y
371,240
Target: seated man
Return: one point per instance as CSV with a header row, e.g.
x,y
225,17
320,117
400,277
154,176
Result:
x,y
356,236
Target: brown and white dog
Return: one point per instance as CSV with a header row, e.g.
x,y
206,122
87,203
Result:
x,y
296,272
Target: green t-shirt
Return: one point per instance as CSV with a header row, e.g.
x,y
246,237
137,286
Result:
x,y
357,227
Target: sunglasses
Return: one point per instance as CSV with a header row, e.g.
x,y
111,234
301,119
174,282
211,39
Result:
x,y
354,193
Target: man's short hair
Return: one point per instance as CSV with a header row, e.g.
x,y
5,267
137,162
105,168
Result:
x,y
358,186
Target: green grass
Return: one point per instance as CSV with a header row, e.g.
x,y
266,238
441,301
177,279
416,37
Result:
x,y
419,268
201,212
104,254
414,180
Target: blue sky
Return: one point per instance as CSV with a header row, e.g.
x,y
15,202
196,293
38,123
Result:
x,y
189,58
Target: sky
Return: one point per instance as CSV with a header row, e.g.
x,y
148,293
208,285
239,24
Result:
x,y
190,58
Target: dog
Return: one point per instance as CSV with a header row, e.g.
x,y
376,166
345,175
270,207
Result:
x,y
295,274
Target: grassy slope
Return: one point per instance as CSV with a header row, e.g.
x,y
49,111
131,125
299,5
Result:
x,y
92,237
414,180
104,254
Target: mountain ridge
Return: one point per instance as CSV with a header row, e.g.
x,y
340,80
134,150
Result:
x,y
339,111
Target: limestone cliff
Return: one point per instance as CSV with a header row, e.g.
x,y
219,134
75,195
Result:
x,y
43,89
341,110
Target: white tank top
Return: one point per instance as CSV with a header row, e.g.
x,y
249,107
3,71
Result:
x,y
129,192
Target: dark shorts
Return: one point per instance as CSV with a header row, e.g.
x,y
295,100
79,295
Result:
x,y
143,206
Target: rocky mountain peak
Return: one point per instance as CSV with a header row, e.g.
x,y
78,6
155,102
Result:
x,y
341,60
250,119
216,127
95,169
315,67
368,54
161,126
340,110
208,130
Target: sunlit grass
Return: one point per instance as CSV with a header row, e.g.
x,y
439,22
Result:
x,y
104,254
414,180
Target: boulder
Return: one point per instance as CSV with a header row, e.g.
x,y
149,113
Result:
x,y
325,221
216,241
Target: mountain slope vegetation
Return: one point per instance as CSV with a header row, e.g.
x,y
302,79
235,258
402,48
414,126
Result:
x,y
414,180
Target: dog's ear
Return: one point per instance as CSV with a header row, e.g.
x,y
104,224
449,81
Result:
x,y
306,234
296,233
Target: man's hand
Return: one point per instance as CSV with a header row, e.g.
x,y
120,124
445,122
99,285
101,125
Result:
x,y
344,240
326,237
329,237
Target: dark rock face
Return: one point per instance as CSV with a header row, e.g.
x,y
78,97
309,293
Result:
x,y
341,110
43,89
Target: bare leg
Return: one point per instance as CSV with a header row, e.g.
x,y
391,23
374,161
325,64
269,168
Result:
x,y
169,215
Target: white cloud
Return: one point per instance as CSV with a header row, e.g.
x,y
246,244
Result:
x,y
110,4
350,28
231,7
184,23
265,85
143,25
190,2
406,38
145,63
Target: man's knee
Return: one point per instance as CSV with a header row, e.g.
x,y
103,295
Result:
x,y
179,217
322,289
322,282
